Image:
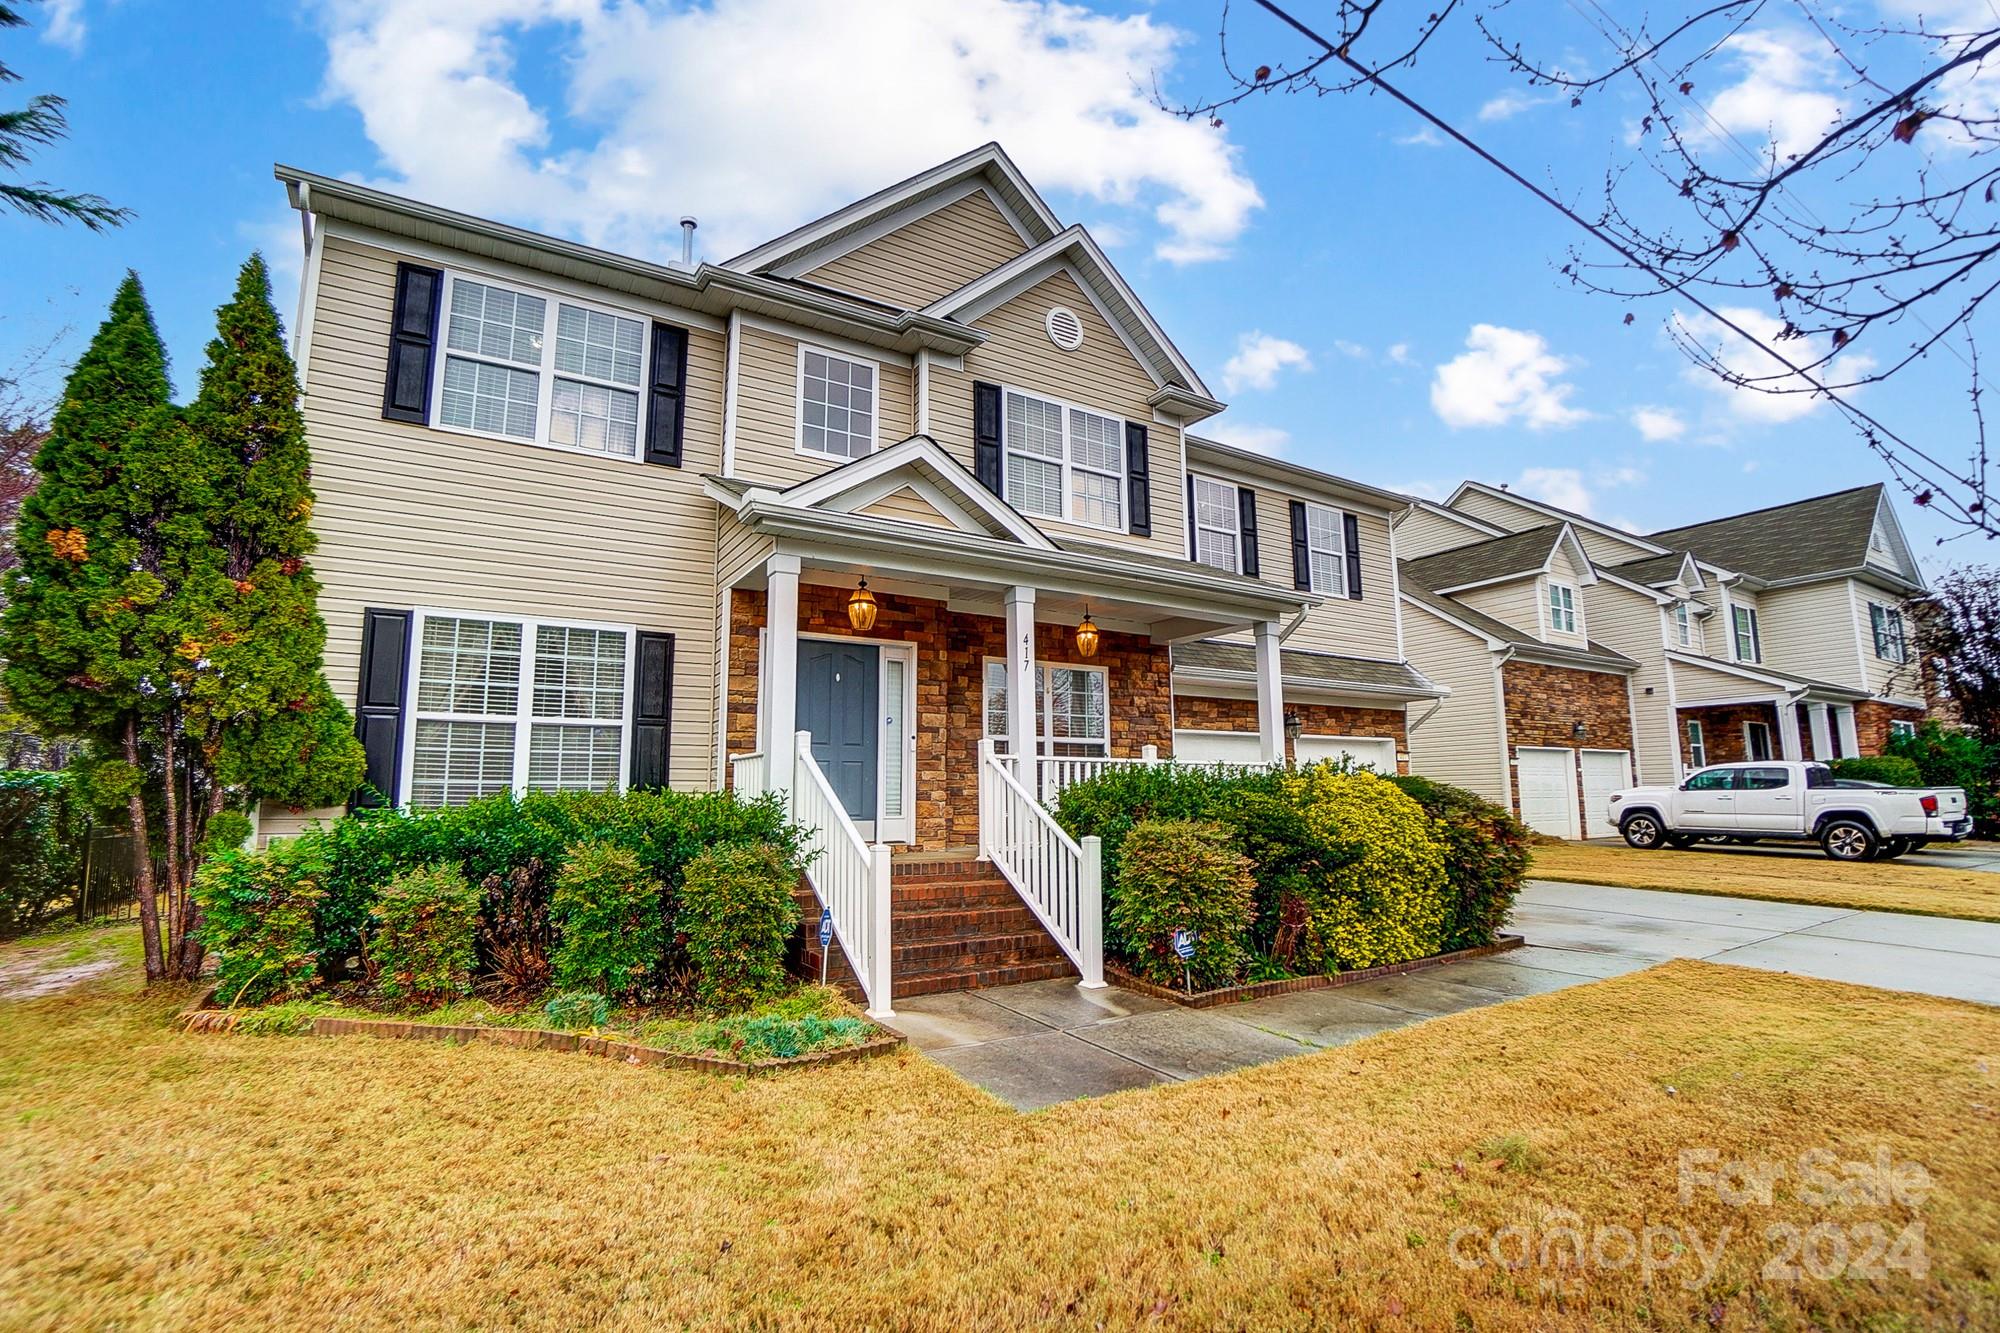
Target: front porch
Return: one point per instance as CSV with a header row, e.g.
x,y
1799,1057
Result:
x,y
1733,712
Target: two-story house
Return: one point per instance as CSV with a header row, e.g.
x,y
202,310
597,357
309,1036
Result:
x,y
898,514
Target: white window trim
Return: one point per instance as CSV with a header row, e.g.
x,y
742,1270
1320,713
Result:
x,y
1683,620
799,402
1697,740
1736,632
1575,608
1196,527
1069,467
1339,552
545,374
1902,632
1045,739
1901,726
523,716
1750,755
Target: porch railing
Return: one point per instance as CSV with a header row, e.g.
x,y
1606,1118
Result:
x,y
746,775
1060,879
1056,772
848,876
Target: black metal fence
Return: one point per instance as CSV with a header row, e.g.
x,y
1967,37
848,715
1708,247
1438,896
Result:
x,y
105,882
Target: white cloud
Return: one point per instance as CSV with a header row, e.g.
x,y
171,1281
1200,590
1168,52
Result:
x,y
1352,350
1658,423
1268,440
1566,488
1258,360
1399,353
1509,105
1422,137
1504,376
759,114
1753,362
1784,95
65,27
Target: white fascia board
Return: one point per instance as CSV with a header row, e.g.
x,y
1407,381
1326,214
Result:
x,y
1653,594
1578,556
1412,503
1732,669
1520,577
818,491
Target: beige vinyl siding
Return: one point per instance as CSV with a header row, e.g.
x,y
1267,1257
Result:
x,y
1422,532
1562,569
1460,742
1695,684
928,258
1516,517
1897,680
1364,628
1517,602
1629,623
1725,649
1101,376
906,506
408,516
737,549
767,408
1810,631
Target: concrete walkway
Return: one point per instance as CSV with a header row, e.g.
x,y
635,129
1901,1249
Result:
x,y
1049,1041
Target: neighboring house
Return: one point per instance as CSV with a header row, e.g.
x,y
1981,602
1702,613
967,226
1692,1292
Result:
x,y
915,479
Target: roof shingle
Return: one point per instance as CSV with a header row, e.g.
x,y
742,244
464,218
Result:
x,y
1827,534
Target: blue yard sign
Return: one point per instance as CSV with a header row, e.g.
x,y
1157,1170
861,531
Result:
x,y
1184,944
825,926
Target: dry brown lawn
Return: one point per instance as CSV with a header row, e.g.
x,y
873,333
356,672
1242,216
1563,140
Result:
x,y
153,1179
1752,872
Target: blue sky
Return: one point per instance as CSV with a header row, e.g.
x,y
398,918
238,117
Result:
x,y
1370,301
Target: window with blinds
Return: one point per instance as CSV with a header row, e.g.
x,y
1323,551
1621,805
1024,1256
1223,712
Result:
x,y
1072,708
1217,520
1063,462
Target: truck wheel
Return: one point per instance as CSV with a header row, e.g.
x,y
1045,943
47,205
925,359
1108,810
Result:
x,y
1893,848
1848,840
1642,831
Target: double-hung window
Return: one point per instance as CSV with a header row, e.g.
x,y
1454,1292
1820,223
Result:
x,y
1063,462
837,409
504,704
1072,708
1743,620
1683,625
1887,622
1562,608
523,366
1217,525
1901,729
1697,745
1326,553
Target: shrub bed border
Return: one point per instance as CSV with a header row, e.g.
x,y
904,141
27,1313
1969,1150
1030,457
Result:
x,y
201,1019
1259,990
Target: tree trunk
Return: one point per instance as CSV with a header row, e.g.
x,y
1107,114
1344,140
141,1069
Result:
x,y
142,868
171,836
195,813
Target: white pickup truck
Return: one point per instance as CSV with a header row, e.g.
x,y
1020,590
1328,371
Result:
x,y
1798,802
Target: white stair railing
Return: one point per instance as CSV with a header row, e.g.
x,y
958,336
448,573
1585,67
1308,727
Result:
x,y
746,775
849,877
1060,879
1059,771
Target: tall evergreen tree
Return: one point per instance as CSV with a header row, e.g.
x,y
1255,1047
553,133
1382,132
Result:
x,y
37,125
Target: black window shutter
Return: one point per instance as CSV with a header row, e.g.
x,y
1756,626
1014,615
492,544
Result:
x,y
1350,538
406,389
378,713
1194,544
666,405
1246,522
653,710
1302,572
986,436
1138,482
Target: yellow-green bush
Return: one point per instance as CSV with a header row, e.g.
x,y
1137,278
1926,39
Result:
x,y
1391,904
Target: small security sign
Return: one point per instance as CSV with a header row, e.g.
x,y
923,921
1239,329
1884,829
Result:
x,y
825,926
1184,944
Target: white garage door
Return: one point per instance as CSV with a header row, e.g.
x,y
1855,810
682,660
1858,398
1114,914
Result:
x,y
1604,771
1548,789
1218,747
1376,752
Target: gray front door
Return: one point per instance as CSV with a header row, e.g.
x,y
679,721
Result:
x,y
839,697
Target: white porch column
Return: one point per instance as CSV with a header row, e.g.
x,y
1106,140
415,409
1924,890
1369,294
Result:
x,y
1270,695
1850,742
1022,728
781,670
1822,731
1788,731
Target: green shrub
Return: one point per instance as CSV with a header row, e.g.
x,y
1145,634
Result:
x,y
1956,759
1890,768
422,950
228,831
1485,857
1390,904
610,927
737,911
775,1036
257,916
577,1009
1182,874
42,827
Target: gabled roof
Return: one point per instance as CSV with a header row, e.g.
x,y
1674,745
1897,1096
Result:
x,y
986,166
1466,521
1555,512
1500,635
1764,675
1805,539
1497,559
1655,570
1305,669
1074,249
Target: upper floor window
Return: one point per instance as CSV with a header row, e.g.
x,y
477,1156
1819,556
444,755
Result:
x,y
1743,620
1326,552
1562,608
1063,462
1887,622
1217,525
528,367
837,410
1683,625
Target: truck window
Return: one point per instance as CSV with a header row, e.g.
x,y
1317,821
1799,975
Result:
x,y
1713,779
1819,776
1764,779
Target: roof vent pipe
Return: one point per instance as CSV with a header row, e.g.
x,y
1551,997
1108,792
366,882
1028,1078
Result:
x,y
687,241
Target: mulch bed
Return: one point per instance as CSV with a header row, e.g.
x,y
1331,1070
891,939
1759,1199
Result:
x,y
1258,990
204,1019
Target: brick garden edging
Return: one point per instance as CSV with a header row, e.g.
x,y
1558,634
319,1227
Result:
x,y
544,1039
1258,990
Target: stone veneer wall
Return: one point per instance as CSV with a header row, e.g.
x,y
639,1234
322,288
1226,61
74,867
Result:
x,y
951,651
1199,713
1543,705
1872,719
1722,731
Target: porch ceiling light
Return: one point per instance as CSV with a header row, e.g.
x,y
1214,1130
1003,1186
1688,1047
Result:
x,y
1086,636
861,609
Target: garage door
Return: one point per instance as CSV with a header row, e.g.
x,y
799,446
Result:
x,y
1604,771
1547,780
1376,752
1218,747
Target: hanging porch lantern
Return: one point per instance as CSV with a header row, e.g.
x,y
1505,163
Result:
x,y
1086,636
861,609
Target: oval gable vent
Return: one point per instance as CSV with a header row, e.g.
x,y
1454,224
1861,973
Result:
x,y
1065,329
